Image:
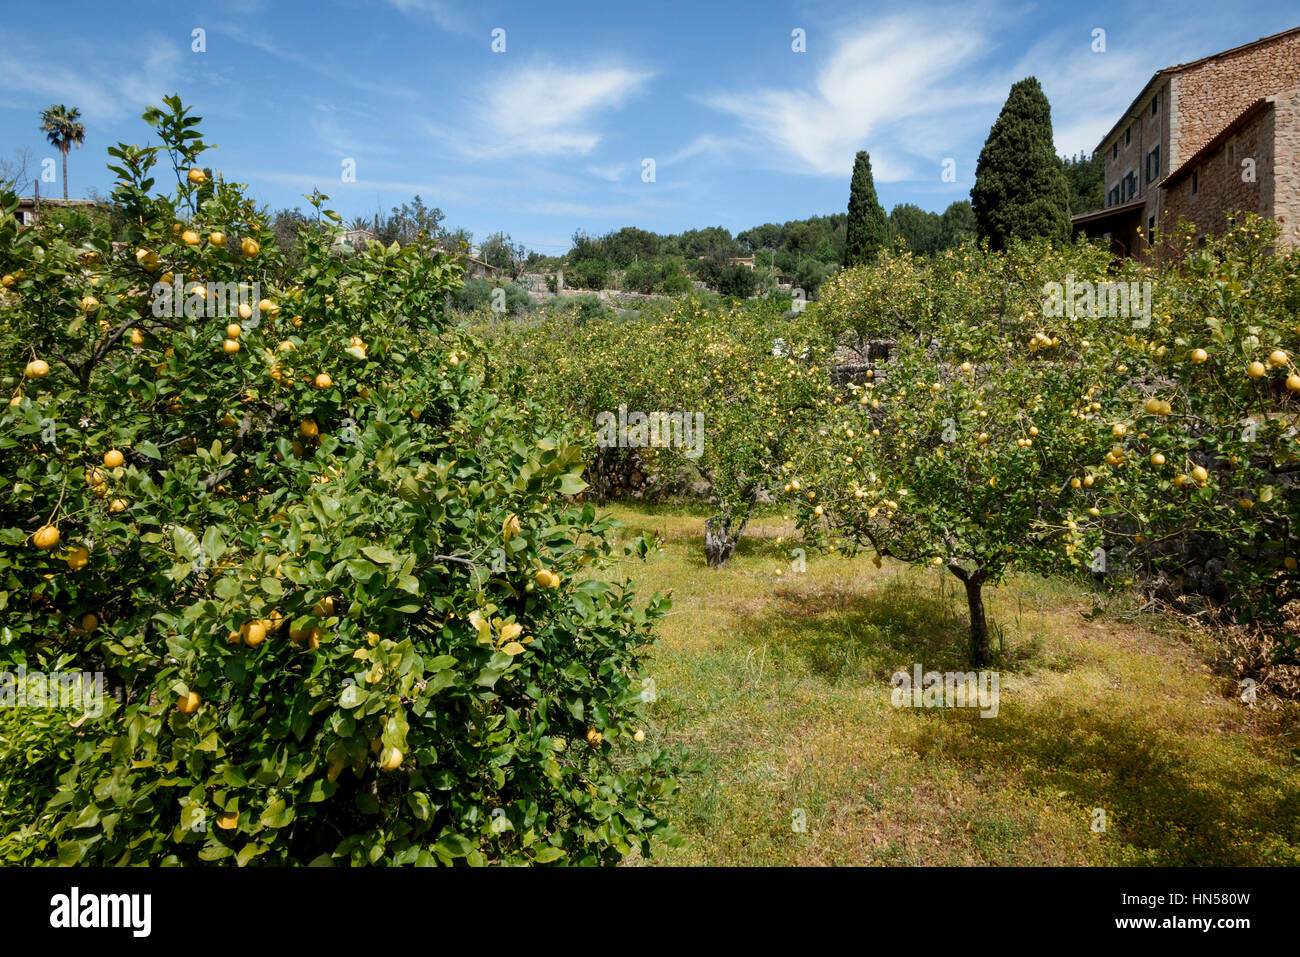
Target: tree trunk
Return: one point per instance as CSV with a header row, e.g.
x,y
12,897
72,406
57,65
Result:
x,y
65,174
720,540
719,543
980,652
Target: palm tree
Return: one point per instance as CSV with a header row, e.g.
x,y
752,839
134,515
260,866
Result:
x,y
60,126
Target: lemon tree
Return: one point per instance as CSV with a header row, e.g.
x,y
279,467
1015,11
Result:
x,y
744,375
1204,492
344,605
972,448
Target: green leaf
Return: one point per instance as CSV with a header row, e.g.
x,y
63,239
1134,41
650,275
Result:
x,y
381,556
353,696
571,484
454,845
278,813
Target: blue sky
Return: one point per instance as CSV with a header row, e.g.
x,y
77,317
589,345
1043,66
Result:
x,y
550,135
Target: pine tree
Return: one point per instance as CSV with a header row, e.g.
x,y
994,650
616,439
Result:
x,y
868,230
1020,191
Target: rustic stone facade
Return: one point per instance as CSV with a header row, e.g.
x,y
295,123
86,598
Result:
x,y
1209,94
1249,167
1180,112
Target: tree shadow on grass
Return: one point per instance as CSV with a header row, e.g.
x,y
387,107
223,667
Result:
x,y
869,632
1170,803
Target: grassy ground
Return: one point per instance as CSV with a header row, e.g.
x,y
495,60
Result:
x,y
780,687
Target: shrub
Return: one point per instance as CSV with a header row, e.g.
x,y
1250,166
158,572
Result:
x,y
473,295
642,277
518,301
737,281
353,619
480,295
587,308
591,274
676,283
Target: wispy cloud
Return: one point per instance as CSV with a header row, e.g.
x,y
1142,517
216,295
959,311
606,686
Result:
x,y
336,139
441,12
258,40
877,77
611,172
704,145
543,110
106,89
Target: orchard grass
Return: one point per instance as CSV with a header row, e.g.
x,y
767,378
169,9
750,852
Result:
x,y
779,687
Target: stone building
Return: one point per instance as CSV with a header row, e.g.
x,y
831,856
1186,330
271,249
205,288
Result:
x,y
1168,156
29,208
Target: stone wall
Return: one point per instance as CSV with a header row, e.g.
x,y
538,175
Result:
x,y
1216,178
1270,137
1212,94
1286,165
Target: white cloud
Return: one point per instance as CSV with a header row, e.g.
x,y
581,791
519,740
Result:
x,y
610,172
105,89
544,110
878,77
440,11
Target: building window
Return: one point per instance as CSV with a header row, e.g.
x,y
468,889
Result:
x,y
1151,230
1112,198
1128,135
1130,185
1114,150
1155,105
1153,164
1195,182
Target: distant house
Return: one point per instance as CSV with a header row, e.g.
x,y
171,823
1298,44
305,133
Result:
x,y
478,268
1203,140
746,261
29,208
474,267
353,240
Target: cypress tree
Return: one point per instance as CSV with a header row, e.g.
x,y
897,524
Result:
x,y
867,230
1020,190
